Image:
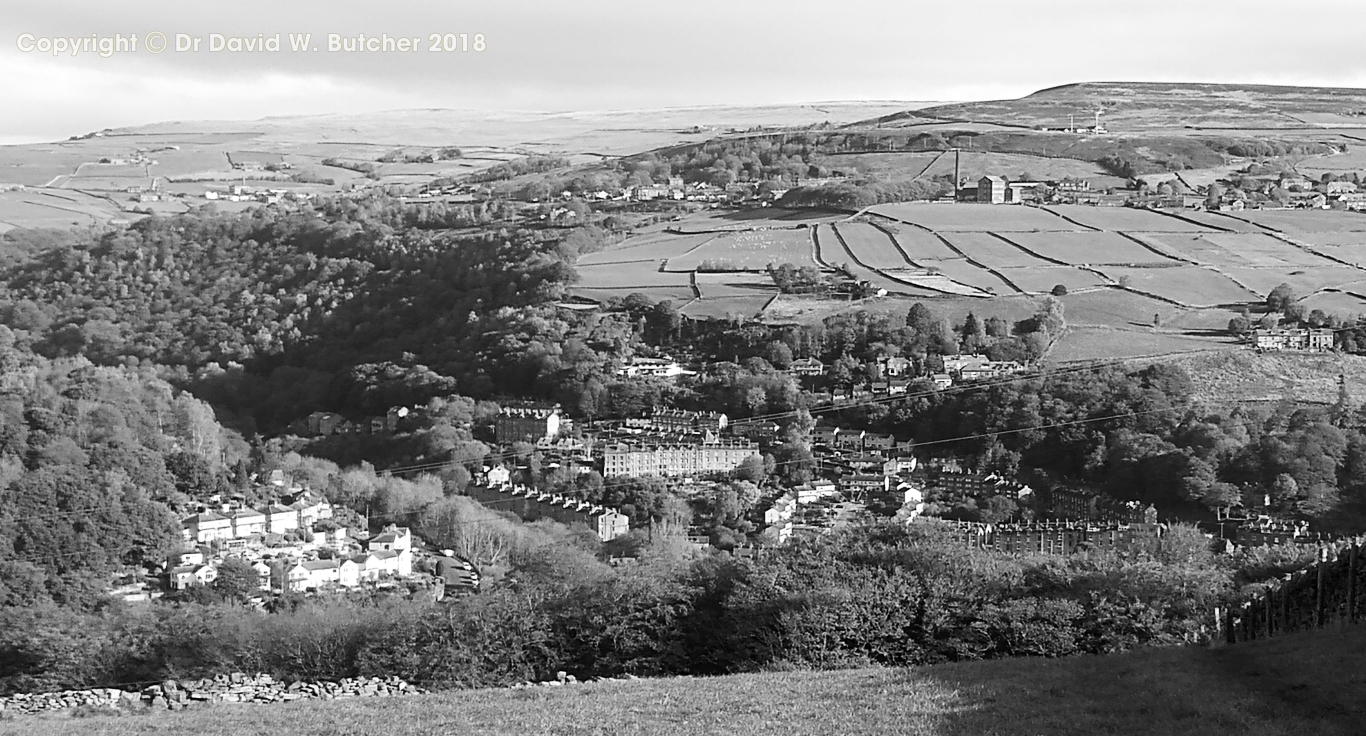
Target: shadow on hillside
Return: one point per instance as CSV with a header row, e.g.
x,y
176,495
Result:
x,y
1258,688
779,213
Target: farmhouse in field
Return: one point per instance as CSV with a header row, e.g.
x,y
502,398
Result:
x,y
1306,339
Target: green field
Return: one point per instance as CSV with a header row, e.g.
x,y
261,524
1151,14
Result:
x,y
1221,221
1124,219
1198,248
975,217
992,251
752,219
1116,308
726,307
1300,684
917,243
55,209
1345,246
626,275
1305,221
751,250
1266,251
741,283
1087,248
1107,343
652,248
963,272
871,245
1190,285
676,294
1304,280
1041,280
1347,305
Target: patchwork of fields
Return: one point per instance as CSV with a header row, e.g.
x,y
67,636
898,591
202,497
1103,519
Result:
x,y
1122,271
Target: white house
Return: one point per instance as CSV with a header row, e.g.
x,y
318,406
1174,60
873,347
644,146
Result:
x,y
281,519
392,538
498,476
207,527
313,574
263,573
246,522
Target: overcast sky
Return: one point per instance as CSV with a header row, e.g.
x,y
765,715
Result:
x,y
621,54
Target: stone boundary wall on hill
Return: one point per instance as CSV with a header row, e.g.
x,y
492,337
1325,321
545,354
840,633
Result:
x,y
234,688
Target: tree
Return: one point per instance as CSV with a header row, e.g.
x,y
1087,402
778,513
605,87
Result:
x,y
779,355
1238,326
751,469
843,370
1059,290
237,580
1281,297
974,335
663,322
192,474
1284,491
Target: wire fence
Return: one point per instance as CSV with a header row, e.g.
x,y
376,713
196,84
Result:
x,y
1327,592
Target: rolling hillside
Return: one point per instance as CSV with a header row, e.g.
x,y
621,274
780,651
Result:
x,y
1301,684
1157,106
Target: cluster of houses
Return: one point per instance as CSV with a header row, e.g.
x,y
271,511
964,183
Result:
x,y
331,563
242,193
531,505
1267,530
234,522
884,493
1058,537
1289,190
293,543
1285,191
1295,339
673,442
892,375
326,423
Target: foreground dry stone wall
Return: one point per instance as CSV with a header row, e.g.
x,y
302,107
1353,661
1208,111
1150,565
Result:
x,y
234,688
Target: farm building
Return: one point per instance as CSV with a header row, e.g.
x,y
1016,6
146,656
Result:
x,y
991,190
1316,340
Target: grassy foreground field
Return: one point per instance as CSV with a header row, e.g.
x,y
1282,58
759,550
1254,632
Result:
x,y
1303,684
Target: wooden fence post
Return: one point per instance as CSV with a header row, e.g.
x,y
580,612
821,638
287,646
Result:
x,y
1320,597
1286,626
1352,582
1217,636
1268,610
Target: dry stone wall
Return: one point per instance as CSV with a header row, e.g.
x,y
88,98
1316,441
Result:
x,y
177,695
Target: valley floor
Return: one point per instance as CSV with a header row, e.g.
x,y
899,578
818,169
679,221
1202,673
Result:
x,y
1303,684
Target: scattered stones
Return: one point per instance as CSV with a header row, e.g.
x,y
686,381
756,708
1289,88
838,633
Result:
x,y
563,678
234,688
